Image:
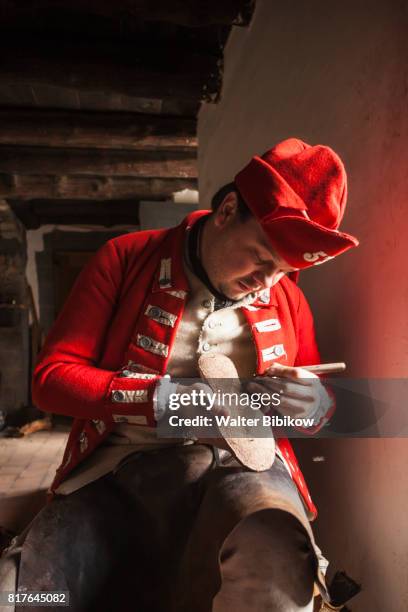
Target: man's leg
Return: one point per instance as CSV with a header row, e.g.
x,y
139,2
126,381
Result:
x,y
267,565
78,543
251,543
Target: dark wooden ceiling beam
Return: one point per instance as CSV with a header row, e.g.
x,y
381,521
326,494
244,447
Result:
x,y
100,219
18,186
115,68
108,213
193,13
94,162
99,130
61,207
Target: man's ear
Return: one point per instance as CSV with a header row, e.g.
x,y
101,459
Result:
x,y
227,211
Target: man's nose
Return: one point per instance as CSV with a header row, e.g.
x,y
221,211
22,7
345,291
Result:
x,y
267,278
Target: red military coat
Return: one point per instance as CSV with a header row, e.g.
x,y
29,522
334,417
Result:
x,y
112,319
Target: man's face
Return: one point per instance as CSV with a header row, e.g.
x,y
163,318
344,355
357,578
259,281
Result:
x,y
236,254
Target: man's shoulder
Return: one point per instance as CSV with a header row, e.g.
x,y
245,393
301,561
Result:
x,y
129,248
139,239
290,287
293,294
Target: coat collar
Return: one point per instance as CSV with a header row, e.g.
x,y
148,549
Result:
x,y
266,298
170,275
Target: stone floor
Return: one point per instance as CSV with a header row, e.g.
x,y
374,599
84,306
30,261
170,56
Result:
x,y
27,468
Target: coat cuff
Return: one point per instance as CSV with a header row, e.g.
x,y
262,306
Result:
x,y
322,414
130,398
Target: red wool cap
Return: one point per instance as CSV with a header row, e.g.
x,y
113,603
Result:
x,y
298,193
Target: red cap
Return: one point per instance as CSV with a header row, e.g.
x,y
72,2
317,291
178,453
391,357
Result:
x,y
298,193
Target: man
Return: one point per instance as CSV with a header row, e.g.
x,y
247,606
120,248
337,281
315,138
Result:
x,y
188,532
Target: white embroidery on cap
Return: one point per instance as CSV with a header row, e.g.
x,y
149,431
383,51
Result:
x,y
317,258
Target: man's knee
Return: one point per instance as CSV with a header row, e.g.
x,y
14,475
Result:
x,y
270,554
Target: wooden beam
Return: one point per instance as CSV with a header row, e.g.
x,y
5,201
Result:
x,y
125,69
99,219
88,207
100,130
26,187
58,161
183,12
108,213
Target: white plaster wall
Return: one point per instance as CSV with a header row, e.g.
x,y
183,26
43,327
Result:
x,y
337,74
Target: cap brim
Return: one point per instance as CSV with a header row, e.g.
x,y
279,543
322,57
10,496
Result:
x,y
303,243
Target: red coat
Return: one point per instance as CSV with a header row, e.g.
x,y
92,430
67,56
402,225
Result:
x,y
109,320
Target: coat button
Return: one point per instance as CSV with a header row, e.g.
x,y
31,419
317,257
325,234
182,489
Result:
x,y
279,350
212,324
99,426
206,346
144,342
118,396
207,303
83,442
155,312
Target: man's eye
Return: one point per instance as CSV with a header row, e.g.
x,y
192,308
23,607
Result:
x,y
257,259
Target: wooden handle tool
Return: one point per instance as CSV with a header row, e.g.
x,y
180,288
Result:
x,y
326,368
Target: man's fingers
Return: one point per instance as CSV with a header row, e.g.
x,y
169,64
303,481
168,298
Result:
x,y
297,373
296,380
259,386
293,407
287,387
290,404
277,369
